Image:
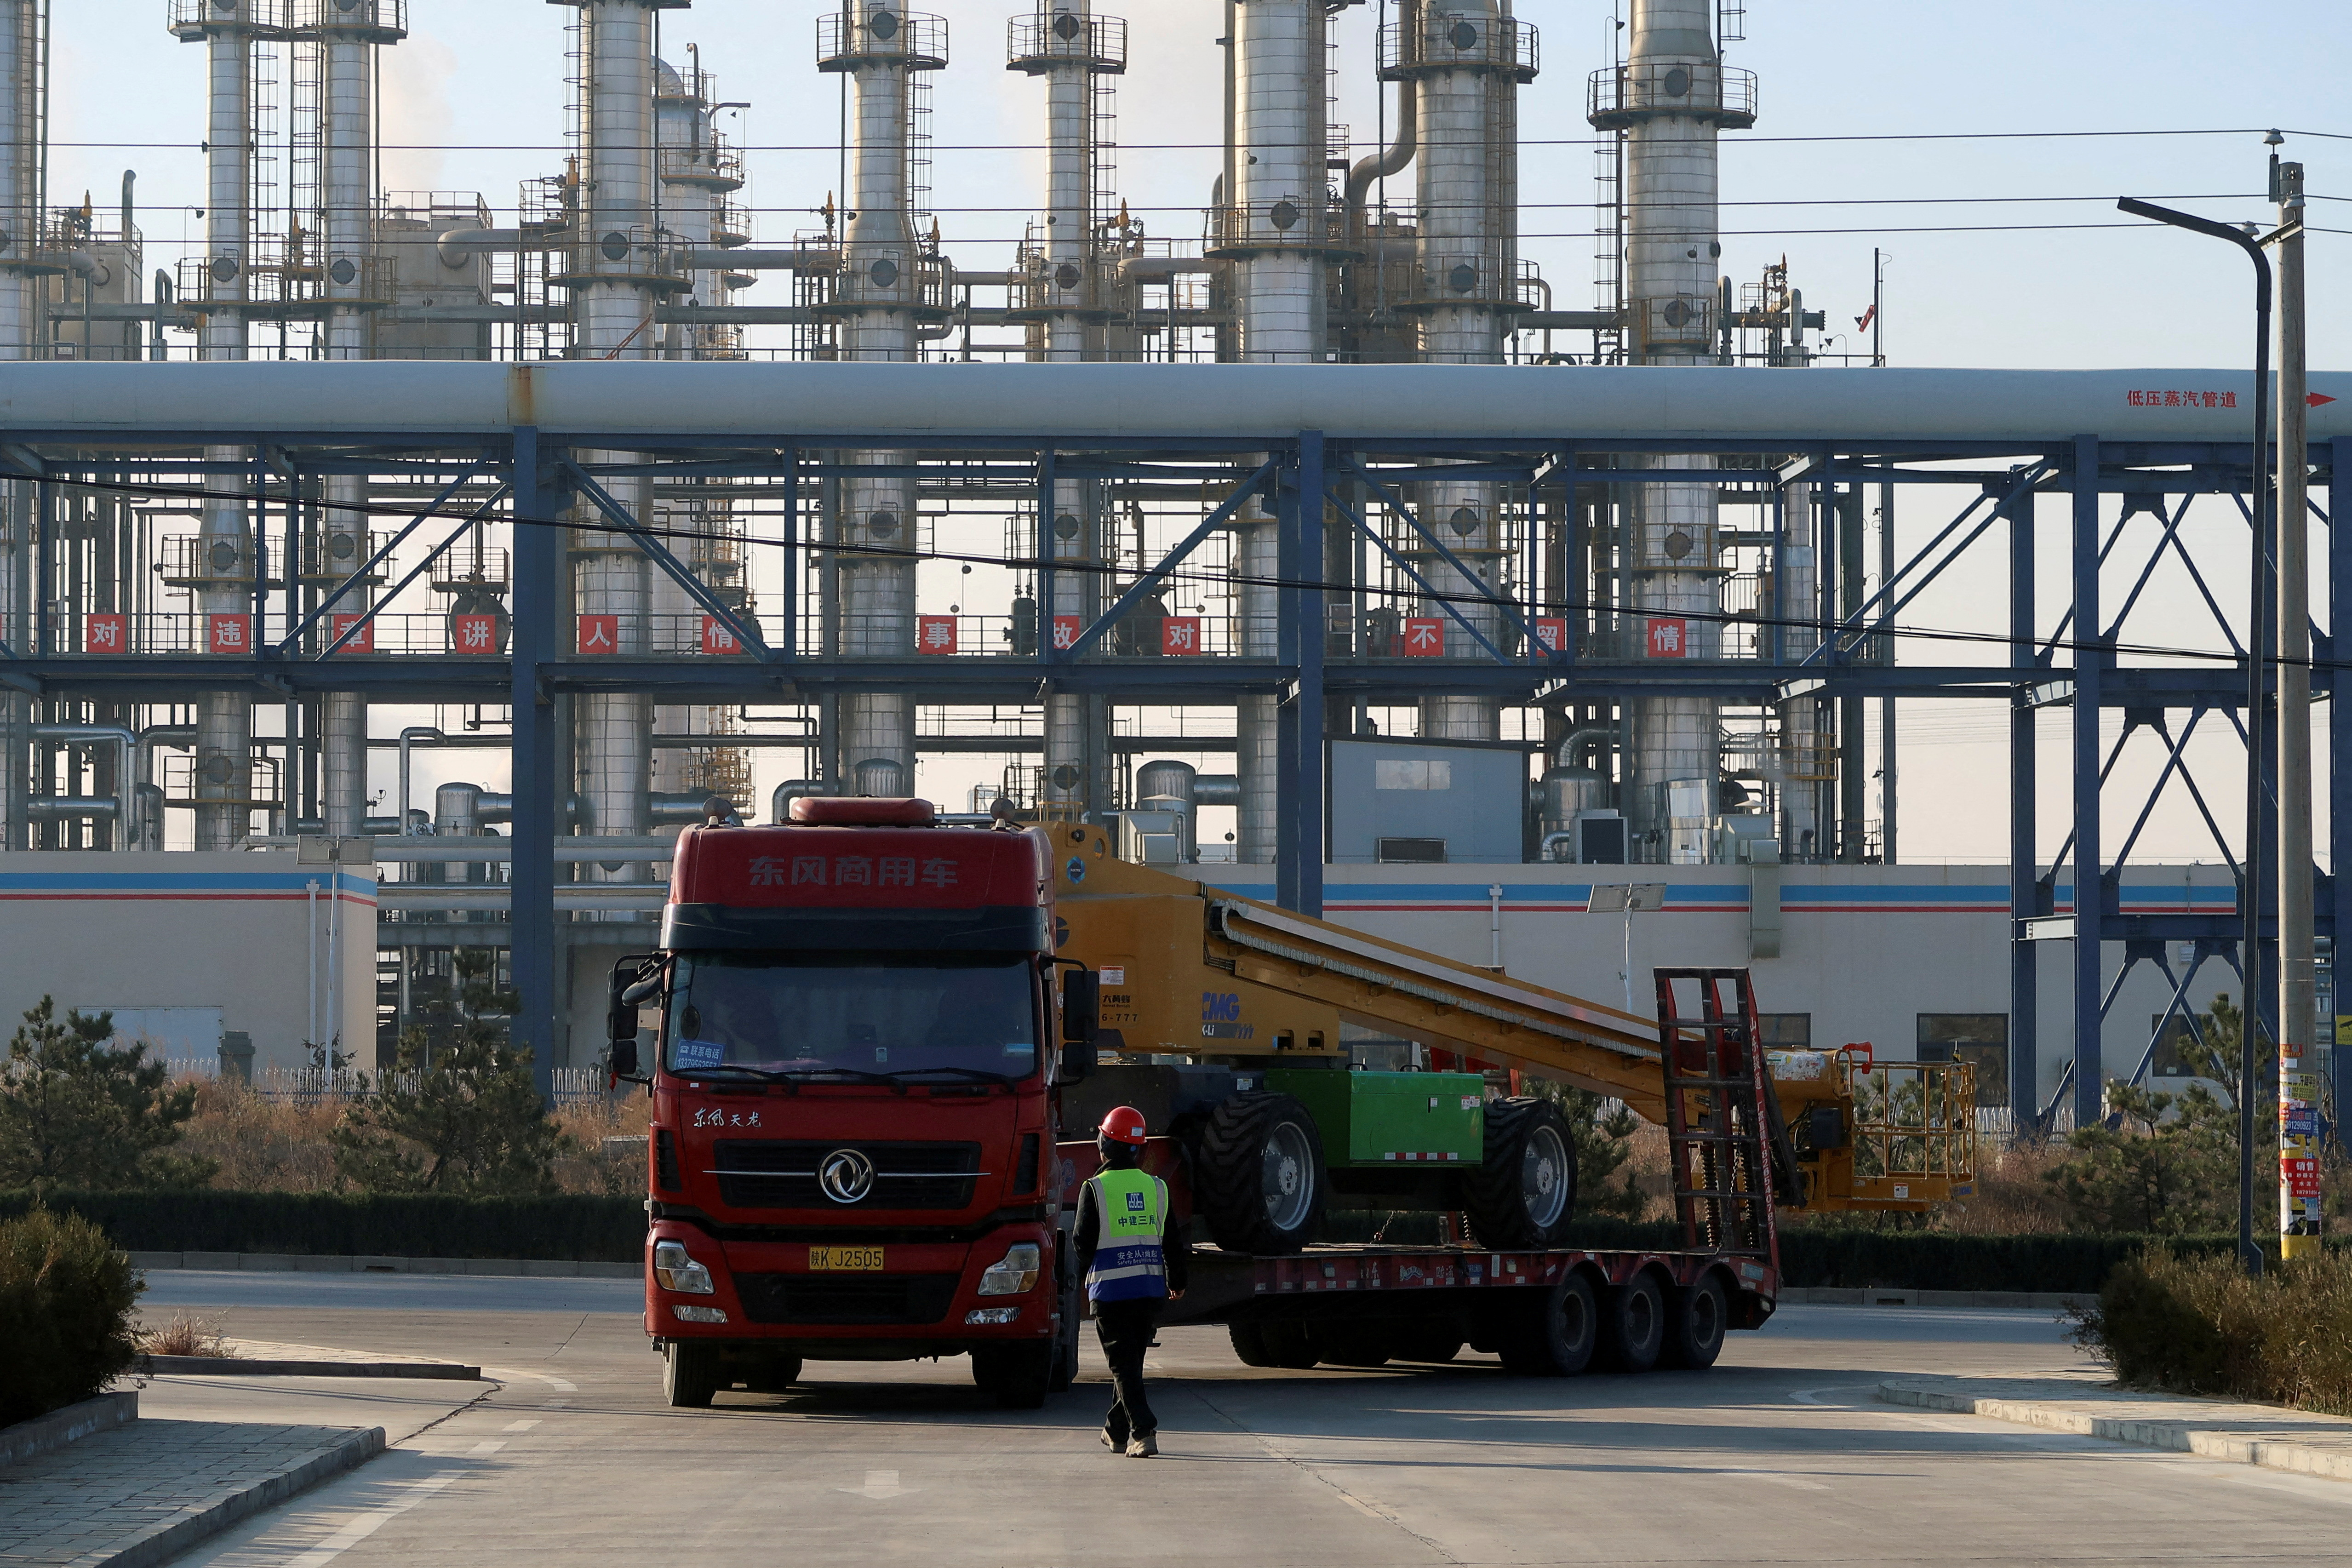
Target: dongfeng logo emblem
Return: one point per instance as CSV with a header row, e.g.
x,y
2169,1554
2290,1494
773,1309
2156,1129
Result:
x,y
845,1175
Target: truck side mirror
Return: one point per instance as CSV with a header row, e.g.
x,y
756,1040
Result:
x,y
631,987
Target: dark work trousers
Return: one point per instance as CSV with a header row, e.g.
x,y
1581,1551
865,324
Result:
x,y
1126,1329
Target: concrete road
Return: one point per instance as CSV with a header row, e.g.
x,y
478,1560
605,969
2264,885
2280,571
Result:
x,y
1779,1455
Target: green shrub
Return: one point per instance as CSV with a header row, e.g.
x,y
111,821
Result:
x,y
65,1297
2196,1324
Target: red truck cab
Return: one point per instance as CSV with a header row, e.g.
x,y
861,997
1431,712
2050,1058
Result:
x,y
855,1072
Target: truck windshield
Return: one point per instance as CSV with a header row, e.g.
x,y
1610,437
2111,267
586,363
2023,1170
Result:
x,y
855,1015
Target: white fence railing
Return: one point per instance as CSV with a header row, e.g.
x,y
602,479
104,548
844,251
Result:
x,y
310,1086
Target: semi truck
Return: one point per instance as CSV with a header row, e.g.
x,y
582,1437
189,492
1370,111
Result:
x,y
878,1046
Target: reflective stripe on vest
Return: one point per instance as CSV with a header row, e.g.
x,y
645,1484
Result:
x,y
1128,1264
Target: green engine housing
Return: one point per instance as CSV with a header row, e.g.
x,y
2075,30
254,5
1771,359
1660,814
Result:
x,y
1392,1120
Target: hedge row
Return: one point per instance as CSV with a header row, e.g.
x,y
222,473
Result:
x,y
602,1229
589,1229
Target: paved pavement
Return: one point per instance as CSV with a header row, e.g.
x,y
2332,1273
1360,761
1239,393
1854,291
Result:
x,y
1782,1454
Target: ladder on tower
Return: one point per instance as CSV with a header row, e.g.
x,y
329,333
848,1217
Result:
x,y
1721,1114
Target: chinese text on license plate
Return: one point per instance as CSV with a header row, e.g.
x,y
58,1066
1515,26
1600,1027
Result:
x,y
843,1257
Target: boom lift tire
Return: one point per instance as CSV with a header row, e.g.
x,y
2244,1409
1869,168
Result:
x,y
1523,1194
1552,1335
1697,1318
689,1374
1020,1374
1257,1175
1633,1324
1249,1344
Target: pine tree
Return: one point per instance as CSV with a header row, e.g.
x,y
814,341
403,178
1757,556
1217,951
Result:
x,y
79,1111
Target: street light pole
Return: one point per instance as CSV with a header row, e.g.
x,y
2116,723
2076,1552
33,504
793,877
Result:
x,y
2258,643
2298,1078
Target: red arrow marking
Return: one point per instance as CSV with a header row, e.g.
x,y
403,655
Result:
x,y
2314,399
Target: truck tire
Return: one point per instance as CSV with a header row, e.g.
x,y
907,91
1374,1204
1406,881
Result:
x,y
1020,1374
1633,1324
689,1374
1432,1341
1249,1344
1352,1342
1523,1194
1554,1334
1257,1178
1066,1339
1697,1318
1289,1342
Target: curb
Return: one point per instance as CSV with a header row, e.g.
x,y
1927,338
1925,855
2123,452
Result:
x,y
161,1541
2179,1437
308,1263
48,1433
1903,1296
240,1366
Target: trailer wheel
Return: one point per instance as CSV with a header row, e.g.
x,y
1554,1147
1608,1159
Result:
x,y
1352,1343
1289,1344
691,1373
1523,1194
1552,1335
1249,1344
1258,1176
1633,1324
1700,1316
1019,1375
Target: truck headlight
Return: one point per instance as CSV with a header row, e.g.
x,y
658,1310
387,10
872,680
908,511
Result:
x,y
1015,1274
677,1270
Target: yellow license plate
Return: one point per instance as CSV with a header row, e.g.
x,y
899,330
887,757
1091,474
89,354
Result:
x,y
822,1258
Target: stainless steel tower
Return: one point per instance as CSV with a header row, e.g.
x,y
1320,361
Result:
x,y
24,119
1671,99
887,285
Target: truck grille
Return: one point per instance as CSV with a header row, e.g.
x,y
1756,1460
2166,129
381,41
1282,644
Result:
x,y
782,1175
904,1298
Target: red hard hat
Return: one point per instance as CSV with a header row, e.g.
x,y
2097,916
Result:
x,y
1123,1125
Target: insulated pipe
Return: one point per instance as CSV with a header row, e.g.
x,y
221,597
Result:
x,y
125,804
455,248
780,803
430,736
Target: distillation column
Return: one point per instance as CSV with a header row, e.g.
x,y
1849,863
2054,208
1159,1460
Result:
x,y
1670,98
886,287
618,277
224,771
24,119
1064,286
1275,226
348,33
1464,62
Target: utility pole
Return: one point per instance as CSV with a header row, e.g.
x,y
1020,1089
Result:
x,y
2298,1083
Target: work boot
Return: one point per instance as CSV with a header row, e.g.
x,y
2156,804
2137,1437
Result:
x,y
1142,1446
1113,1444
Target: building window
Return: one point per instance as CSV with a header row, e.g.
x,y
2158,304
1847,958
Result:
x,y
1786,1031
1979,1038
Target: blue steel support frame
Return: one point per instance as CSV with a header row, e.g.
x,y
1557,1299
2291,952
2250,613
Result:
x,y
2090,870
538,786
2024,854
1298,715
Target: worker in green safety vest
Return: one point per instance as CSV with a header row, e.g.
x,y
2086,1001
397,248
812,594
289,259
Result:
x,y
1133,1262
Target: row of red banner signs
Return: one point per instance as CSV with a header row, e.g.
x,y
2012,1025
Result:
x,y
1180,636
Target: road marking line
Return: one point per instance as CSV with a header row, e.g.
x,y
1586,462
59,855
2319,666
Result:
x,y
879,1484
484,1450
518,1426
512,1374
368,1524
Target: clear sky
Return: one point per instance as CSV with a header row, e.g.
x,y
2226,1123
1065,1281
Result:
x,y
476,99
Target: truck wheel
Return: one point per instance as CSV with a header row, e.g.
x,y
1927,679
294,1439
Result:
x,y
1352,1343
1258,1178
1523,1194
1019,1375
1428,1341
1249,1344
1289,1342
774,1374
1065,1340
1633,1324
1552,1335
1699,1317
691,1373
